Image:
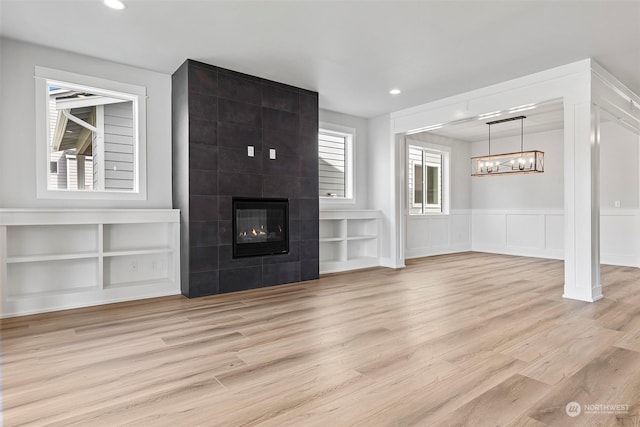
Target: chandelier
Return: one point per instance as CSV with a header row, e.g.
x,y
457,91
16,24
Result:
x,y
508,163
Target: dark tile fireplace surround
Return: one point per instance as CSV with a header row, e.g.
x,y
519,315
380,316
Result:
x,y
216,115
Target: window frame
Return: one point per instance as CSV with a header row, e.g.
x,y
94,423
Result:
x,y
445,193
136,94
350,162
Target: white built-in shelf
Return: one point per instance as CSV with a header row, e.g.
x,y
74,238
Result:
x,y
56,259
52,293
365,237
331,239
136,283
365,261
349,240
53,257
138,252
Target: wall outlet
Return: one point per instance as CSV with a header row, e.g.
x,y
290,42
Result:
x,y
616,203
272,153
134,266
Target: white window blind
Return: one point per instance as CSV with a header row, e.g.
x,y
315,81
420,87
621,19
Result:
x,y
333,164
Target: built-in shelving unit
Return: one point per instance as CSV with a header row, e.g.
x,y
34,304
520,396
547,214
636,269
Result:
x,y
66,258
349,240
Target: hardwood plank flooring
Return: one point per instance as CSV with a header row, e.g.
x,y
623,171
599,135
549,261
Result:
x,y
468,339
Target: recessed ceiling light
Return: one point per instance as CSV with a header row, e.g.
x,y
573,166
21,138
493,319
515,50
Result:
x,y
114,4
394,91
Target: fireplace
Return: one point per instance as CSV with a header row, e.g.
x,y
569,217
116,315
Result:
x,y
260,227
217,114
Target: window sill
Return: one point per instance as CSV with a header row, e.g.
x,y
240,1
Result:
x,y
336,201
429,214
89,195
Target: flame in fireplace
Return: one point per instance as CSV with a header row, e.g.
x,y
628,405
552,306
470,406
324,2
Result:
x,y
258,231
255,232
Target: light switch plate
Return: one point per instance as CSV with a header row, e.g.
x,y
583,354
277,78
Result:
x,y
250,151
272,153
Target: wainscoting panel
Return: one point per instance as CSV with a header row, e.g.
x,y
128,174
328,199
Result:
x,y
439,229
540,233
461,230
438,234
525,231
535,233
619,237
554,233
489,229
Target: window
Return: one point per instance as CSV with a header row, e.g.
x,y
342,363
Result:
x,y
91,134
335,155
427,178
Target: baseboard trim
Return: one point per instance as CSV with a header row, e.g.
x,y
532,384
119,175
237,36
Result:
x,y
424,252
519,251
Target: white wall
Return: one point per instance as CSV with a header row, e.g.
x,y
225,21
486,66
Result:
x,y
18,130
619,155
361,166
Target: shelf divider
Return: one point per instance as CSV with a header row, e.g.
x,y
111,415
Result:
x,y
100,278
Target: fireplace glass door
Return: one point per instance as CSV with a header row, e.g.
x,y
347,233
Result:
x,y
260,227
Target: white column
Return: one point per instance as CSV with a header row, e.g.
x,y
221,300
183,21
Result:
x,y
582,202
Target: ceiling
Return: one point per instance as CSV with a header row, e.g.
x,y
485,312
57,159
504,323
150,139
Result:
x,y
351,52
538,118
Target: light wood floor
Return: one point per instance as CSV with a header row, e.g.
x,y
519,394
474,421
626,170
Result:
x,y
468,339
